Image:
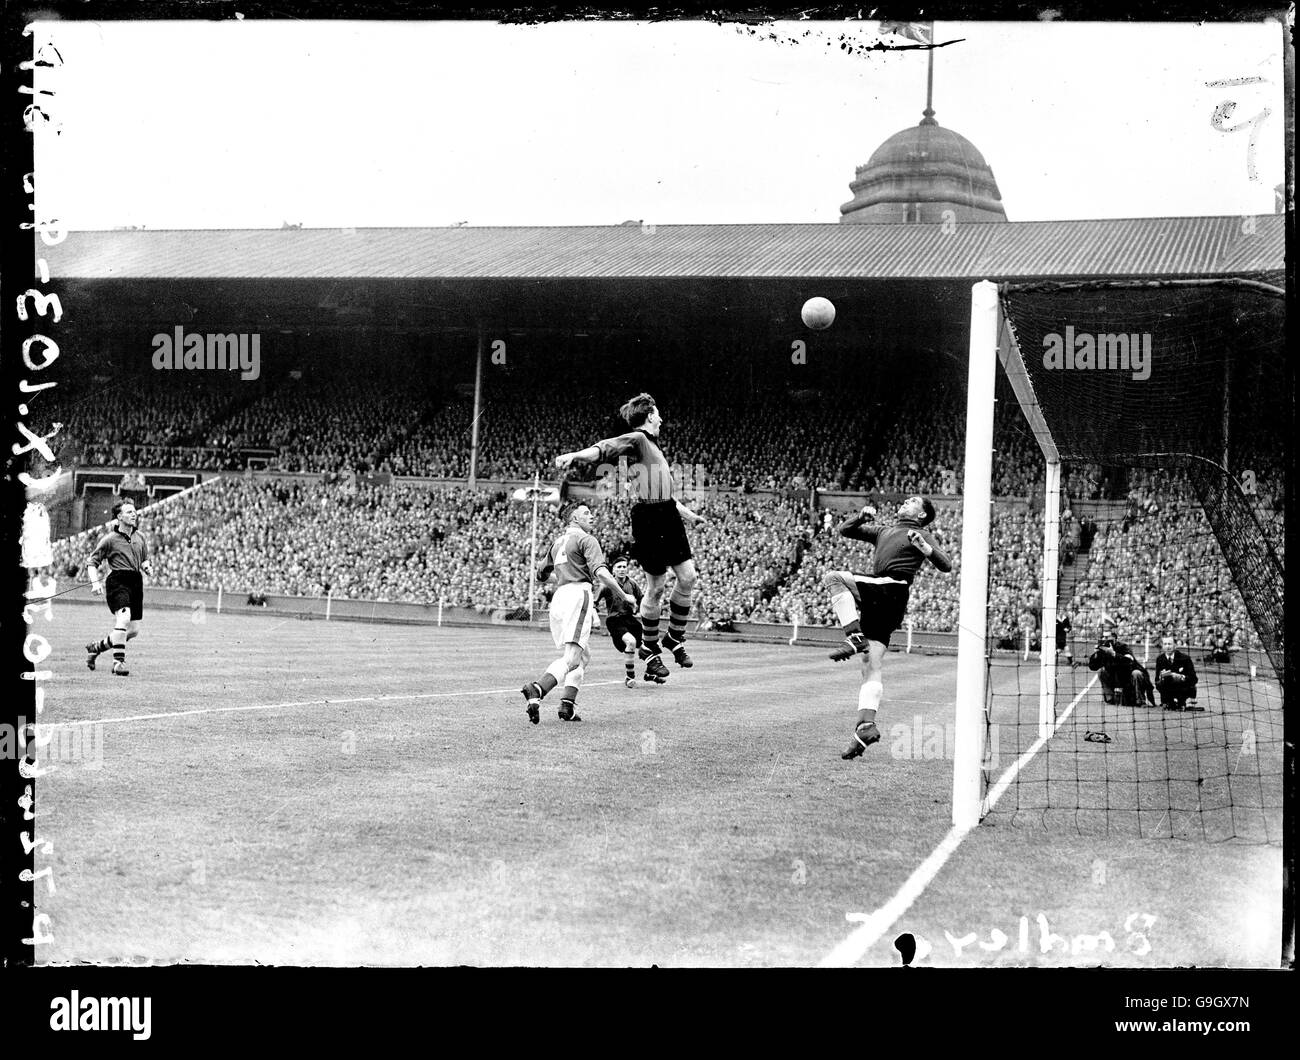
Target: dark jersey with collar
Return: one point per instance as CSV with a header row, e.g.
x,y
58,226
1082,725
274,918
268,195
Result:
x,y
123,551
896,556
616,605
656,476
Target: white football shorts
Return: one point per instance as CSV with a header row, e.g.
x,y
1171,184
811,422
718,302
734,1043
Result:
x,y
573,612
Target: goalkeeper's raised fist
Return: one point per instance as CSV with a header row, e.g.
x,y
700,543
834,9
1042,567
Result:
x,y
918,541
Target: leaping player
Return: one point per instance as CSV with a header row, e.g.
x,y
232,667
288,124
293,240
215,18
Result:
x,y
658,534
870,608
577,561
126,552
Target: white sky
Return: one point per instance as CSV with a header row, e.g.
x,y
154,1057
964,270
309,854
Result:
x,y
331,124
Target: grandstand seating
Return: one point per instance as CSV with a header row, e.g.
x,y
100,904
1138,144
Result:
x,y
761,559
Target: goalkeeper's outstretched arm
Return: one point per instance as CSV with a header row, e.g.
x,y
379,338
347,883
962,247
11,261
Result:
x,y
860,525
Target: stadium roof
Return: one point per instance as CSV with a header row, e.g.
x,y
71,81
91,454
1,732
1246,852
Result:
x,y
1137,247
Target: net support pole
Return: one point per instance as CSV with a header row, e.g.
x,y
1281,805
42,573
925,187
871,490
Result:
x,y
1051,565
972,668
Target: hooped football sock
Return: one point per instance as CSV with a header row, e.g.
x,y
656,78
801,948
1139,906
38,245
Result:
x,y
650,632
678,613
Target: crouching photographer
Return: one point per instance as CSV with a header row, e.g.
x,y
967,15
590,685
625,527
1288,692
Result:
x,y
1124,680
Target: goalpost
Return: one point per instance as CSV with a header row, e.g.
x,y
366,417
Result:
x,y
1159,411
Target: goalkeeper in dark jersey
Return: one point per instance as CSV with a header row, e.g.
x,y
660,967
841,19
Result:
x,y
126,553
658,531
870,608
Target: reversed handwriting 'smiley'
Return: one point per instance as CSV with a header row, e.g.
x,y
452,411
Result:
x,y
1132,939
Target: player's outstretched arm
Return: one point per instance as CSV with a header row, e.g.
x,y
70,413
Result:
x,y
610,585
859,526
578,456
605,449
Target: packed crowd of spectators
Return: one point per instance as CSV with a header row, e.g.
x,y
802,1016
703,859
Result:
x,y
1155,564
754,453
373,417
760,442
322,422
743,553
150,420
438,445
1149,562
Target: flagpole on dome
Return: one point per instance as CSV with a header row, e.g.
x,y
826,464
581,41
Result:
x,y
922,33
928,113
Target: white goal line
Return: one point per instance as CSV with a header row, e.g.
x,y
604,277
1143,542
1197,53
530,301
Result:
x,y
874,925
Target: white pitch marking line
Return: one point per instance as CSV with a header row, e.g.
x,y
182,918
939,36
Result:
x,y
295,703
873,925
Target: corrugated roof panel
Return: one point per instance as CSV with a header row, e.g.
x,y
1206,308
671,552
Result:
x,y
1171,246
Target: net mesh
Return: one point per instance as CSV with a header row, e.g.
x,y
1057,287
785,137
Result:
x,y
1166,403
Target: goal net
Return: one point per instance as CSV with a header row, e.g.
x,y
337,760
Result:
x,y
1141,692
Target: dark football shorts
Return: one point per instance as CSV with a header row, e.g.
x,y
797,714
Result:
x,y
617,625
881,607
659,538
125,588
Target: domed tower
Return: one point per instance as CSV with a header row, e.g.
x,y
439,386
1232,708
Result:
x,y
919,174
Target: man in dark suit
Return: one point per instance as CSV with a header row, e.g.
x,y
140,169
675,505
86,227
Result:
x,y
1123,679
1175,677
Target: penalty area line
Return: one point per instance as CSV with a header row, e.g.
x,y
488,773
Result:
x,y
873,925
295,703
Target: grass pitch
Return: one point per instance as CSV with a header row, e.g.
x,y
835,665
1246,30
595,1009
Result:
x,y
280,791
